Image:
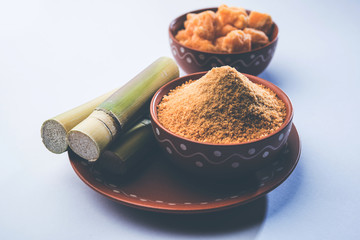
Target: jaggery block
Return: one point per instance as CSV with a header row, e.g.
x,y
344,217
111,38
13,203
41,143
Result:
x,y
182,35
210,31
234,16
258,38
199,43
201,24
260,21
235,41
223,31
190,16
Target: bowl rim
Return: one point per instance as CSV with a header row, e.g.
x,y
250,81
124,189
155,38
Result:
x,y
197,75
275,28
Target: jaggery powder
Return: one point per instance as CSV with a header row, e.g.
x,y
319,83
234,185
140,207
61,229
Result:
x,y
222,107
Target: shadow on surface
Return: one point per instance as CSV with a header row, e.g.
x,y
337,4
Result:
x,y
246,219
286,193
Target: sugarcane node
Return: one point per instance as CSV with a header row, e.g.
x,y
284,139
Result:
x,y
89,138
54,130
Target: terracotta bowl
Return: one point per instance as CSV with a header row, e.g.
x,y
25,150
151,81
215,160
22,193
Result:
x,y
220,160
192,60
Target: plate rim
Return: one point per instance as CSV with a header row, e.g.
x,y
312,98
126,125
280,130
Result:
x,y
199,208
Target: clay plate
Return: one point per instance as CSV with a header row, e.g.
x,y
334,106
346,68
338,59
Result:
x,y
161,187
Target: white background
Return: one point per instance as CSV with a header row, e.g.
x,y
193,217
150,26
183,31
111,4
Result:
x,y
55,55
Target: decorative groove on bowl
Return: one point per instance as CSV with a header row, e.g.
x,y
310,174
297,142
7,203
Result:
x,y
254,59
217,157
264,151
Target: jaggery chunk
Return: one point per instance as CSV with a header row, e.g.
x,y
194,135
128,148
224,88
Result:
x,y
222,31
235,41
201,24
258,38
223,106
199,43
234,16
260,21
182,35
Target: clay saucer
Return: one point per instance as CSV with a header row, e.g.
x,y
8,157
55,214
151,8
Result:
x,y
161,187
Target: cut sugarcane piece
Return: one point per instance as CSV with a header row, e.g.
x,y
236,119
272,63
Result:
x,y
121,110
127,151
54,130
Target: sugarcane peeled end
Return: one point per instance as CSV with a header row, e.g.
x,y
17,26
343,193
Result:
x,y
83,145
53,136
90,138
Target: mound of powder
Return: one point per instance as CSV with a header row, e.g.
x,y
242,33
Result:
x,y
222,107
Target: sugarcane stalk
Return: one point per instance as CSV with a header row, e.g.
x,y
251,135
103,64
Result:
x,y
54,130
121,110
127,151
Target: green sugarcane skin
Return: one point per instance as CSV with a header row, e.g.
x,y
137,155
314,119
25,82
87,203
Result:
x,y
129,149
74,116
129,103
120,111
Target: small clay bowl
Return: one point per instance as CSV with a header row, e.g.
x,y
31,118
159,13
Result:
x,y
220,160
192,60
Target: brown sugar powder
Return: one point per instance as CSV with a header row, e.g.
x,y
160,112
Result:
x,y
222,107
